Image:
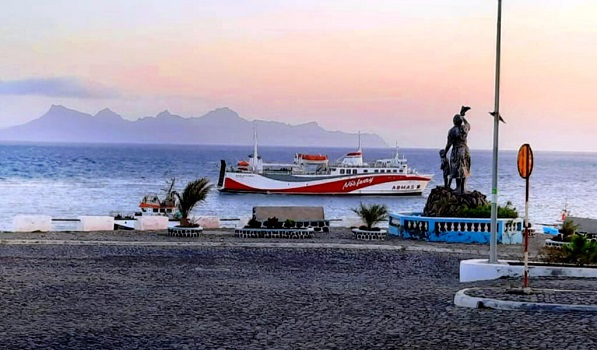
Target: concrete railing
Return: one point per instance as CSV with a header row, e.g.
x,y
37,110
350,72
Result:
x,y
454,230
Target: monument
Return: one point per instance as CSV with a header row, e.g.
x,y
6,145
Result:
x,y
443,200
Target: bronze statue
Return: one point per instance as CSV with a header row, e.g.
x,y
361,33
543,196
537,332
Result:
x,y
460,158
445,166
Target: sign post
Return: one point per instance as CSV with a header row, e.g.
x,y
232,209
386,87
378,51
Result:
x,y
525,168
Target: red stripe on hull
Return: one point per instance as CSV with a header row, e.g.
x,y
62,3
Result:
x,y
338,186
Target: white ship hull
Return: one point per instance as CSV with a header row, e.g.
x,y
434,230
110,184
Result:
x,y
362,184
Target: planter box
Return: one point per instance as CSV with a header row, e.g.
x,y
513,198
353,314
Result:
x,y
185,231
366,235
274,233
454,230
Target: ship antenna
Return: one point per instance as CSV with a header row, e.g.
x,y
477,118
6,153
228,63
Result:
x,y
255,143
360,150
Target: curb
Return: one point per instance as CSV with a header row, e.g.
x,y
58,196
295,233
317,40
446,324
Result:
x,y
463,300
296,245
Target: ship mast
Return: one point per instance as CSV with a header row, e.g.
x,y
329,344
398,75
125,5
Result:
x,y
255,145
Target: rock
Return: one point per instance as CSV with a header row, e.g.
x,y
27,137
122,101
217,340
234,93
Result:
x,y
446,202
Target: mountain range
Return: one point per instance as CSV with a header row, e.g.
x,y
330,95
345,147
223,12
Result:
x,y
221,126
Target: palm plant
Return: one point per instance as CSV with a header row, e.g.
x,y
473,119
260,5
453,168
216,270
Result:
x,y
371,214
195,192
568,229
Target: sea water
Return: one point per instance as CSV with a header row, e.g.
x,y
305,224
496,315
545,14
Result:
x,y
69,180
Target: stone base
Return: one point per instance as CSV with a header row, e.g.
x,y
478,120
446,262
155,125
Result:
x,y
366,235
185,231
274,233
446,202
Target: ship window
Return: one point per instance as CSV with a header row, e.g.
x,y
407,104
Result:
x,y
341,171
155,210
395,171
401,170
366,171
376,171
354,171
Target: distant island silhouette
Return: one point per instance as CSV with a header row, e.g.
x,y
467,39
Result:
x,y
221,126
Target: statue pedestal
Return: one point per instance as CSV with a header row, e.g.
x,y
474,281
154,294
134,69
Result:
x,y
446,202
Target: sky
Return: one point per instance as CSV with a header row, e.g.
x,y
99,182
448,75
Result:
x,y
397,68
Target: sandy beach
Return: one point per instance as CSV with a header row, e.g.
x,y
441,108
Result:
x,y
127,289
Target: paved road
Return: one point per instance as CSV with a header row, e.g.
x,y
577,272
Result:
x,y
127,297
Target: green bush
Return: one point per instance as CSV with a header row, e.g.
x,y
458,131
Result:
x,y
273,222
289,223
484,211
579,251
254,223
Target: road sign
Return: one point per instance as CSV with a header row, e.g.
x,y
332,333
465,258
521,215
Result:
x,y
525,161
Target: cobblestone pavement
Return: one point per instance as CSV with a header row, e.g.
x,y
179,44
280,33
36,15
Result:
x,y
338,235
127,297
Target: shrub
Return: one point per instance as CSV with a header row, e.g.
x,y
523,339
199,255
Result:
x,y
568,229
371,214
254,223
289,223
579,251
272,222
484,211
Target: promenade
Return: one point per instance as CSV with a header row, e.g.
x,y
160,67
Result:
x,y
127,290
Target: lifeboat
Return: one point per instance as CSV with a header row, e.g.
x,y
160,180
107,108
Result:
x,y
243,165
313,157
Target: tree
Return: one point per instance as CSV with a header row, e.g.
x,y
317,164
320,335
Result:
x,y
195,192
371,214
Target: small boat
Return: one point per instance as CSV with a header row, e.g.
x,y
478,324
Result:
x,y
314,174
152,204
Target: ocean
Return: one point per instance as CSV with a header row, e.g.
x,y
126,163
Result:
x,y
69,180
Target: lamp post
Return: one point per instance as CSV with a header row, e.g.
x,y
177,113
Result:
x,y
496,127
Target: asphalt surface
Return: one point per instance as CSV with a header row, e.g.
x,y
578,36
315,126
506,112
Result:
x,y
61,295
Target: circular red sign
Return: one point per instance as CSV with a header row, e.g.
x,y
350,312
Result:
x,y
525,161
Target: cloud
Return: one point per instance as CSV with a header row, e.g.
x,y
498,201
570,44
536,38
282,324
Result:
x,y
56,87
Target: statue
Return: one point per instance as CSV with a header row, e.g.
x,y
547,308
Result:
x,y
445,169
460,158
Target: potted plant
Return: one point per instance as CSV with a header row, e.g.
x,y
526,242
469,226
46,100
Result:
x,y
194,193
370,215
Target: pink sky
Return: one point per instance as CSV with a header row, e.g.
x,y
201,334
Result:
x,y
400,69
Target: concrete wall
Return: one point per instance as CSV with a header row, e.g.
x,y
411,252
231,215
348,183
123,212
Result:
x,y
208,222
95,223
30,223
147,223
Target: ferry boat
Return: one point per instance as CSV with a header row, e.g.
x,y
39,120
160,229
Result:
x,y
314,174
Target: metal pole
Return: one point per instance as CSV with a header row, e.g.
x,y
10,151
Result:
x,y
496,126
526,233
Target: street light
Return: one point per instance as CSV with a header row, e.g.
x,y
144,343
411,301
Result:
x,y
496,127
